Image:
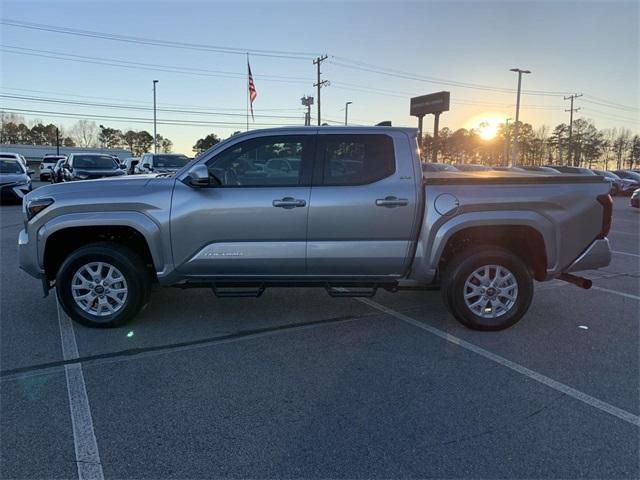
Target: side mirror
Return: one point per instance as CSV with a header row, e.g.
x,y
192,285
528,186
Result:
x,y
198,176
30,172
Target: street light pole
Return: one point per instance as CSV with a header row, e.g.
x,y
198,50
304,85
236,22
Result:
x,y
346,112
516,140
155,133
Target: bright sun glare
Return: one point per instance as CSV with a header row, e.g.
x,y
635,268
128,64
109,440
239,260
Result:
x,y
486,125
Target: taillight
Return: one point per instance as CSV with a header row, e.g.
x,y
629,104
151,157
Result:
x,y
607,214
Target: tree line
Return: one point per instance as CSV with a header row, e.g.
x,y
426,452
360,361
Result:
x,y
83,133
588,147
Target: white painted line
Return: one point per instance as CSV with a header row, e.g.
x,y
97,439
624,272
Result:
x,y
615,292
620,232
625,253
538,377
84,437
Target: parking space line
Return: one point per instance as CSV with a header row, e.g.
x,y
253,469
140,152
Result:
x,y
615,292
84,437
538,377
625,253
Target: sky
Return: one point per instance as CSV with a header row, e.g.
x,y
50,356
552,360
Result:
x,y
591,48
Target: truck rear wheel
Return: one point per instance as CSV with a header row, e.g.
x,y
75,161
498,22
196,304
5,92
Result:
x,y
103,285
487,288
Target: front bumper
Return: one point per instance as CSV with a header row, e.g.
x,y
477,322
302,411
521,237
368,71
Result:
x,y
28,255
598,255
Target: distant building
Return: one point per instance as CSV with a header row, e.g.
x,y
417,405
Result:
x,y
34,153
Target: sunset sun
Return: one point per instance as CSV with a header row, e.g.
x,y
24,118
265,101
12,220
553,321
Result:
x,y
488,129
486,125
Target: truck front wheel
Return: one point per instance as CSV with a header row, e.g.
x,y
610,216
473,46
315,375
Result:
x,y
487,288
103,285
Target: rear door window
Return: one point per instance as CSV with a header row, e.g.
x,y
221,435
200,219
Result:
x,y
356,159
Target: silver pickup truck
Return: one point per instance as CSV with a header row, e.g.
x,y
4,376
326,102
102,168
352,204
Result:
x,y
347,209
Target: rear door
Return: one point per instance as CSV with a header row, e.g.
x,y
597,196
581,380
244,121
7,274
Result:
x,y
362,219
255,223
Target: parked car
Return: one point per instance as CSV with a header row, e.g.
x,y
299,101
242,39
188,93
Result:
x,y
438,167
130,164
87,166
471,167
634,201
57,171
47,164
357,216
15,156
161,163
619,186
539,169
15,180
572,170
628,175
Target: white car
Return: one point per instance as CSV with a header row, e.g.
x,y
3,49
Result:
x,y
47,164
15,156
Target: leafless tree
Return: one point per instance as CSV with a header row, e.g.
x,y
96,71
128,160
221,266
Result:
x,y
84,133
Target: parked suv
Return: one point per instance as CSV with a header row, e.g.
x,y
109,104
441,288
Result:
x,y
87,166
161,163
47,164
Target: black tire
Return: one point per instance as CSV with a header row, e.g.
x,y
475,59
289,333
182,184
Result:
x,y
42,178
460,269
122,258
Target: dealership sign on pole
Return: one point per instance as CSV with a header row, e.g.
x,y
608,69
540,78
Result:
x,y
435,103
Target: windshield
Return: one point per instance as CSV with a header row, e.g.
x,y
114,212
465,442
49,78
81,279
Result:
x,y
94,162
10,166
169,161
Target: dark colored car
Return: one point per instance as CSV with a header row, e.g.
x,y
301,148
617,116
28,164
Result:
x,y
438,167
572,170
15,180
88,166
629,175
634,201
619,186
539,169
471,167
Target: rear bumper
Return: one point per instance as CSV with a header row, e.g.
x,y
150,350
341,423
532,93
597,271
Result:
x,y
598,255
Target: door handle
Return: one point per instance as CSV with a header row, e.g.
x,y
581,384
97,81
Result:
x,y
289,202
391,202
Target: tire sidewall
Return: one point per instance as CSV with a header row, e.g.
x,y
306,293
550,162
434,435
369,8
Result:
x,y
470,262
118,256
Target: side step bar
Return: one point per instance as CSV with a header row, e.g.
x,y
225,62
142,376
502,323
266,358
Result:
x,y
236,292
337,292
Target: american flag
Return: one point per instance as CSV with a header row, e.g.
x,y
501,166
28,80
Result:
x,y
252,89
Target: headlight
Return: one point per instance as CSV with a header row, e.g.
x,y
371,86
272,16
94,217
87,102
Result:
x,y
35,206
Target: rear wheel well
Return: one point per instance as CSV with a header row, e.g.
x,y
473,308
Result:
x,y
525,242
61,243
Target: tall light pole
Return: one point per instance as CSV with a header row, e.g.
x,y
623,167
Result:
x,y
155,133
516,140
346,112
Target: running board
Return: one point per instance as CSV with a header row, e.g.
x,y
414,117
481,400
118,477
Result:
x,y
336,291
237,292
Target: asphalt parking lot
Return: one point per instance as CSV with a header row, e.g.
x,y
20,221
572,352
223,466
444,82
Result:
x,y
298,384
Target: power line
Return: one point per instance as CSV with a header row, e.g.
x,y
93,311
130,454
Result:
x,y
133,107
131,102
142,66
157,42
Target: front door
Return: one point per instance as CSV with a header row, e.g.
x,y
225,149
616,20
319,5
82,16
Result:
x,y
253,221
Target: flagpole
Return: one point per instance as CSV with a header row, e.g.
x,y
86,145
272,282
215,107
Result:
x,y
247,91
